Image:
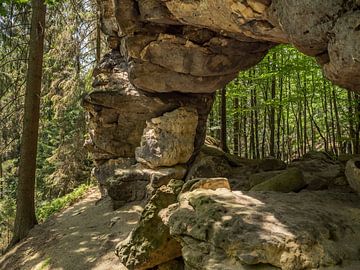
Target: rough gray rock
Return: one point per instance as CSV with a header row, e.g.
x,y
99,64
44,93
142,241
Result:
x,y
258,178
137,182
288,181
352,172
150,244
231,230
319,170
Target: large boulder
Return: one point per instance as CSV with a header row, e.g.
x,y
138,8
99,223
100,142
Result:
x,y
169,139
137,182
150,244
251,230
260,177
352,172
288,181
319,169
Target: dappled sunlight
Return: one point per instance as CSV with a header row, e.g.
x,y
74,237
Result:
x,y
85,233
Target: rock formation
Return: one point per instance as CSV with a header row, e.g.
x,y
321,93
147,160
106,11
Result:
x,y
147,121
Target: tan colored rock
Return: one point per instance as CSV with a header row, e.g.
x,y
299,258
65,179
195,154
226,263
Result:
x,y
352,172
206,183
154,78
248,230
118,111
169,139
212,183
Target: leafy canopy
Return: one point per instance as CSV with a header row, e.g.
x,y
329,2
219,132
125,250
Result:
x,y
4,3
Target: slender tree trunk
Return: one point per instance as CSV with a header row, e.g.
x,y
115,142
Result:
x,y
25,210
98,34
357,132
263,150
326,118
305,117
223,134
236,127
279,118
272,113
351,122
256,120
245,120
337,118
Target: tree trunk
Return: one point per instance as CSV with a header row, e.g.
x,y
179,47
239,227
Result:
x,y
337,119
25,210
351,122
236,127
98,35
223,133
272,113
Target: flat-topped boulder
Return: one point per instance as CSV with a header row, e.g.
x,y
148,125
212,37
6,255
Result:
x,y
239,230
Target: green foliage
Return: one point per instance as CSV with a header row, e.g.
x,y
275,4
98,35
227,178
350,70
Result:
x,y
310,113
62,161
48,208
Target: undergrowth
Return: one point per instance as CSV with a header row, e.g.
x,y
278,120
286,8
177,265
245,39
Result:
x,y
49,208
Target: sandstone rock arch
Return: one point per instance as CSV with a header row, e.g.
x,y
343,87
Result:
x,y
154,90
168,54
197,46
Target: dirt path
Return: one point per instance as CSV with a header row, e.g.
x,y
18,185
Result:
x,y
81,237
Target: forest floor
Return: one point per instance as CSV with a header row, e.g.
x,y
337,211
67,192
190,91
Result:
x,y
81,237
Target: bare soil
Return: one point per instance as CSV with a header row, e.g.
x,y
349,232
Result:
x,y
81,237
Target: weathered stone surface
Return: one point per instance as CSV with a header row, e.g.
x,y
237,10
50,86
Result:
x,y
352,172
319,169
150,244
206,183
288,181
118,112
177,264
231,230
212,162
271,164
325,30
128,183
311,35
153,78
258,178
169,139
344,52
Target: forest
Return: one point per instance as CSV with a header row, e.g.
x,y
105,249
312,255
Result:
x,y
283,107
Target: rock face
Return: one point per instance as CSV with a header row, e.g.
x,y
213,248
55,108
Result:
x,y
214,39
320,171
231,230
123,119
169,139
147,121
150,244
138,182
352,172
